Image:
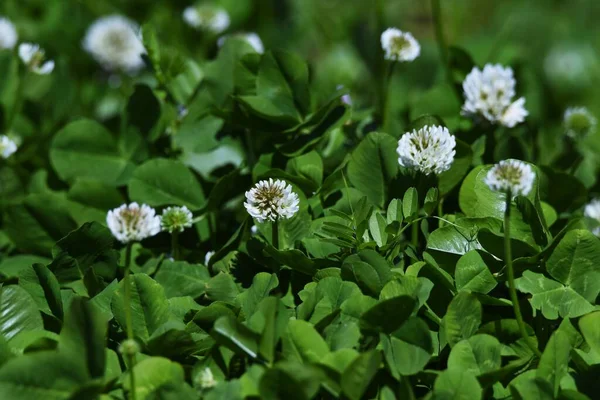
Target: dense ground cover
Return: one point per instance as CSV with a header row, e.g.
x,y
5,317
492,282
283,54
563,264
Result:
x,y
299,199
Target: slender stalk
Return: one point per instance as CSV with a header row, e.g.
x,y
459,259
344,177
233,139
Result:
x,y
436,14
128,319
275,234
415,234
249,148
175,245
440,212
18,104
511,278
386,94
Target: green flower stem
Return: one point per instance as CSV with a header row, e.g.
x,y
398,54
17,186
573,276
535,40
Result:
x,y
275,234
175,245
440,212
386,95
128,319
511,278
436,14
415,234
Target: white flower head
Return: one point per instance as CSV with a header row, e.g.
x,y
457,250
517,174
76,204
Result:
x,y
176,219
132,223
512,176
579,122
271,200
489,93
129,347
208,256
399,46
207,17
592,210
7,146
35,59
251,38
8,34
206,379
427,150
115,42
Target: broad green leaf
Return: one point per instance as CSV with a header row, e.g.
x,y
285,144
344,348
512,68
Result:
x,y
10,267
410,204
161,182
455,384
552,298
152,373
590,329
358,375
43,286
86,149
372,165
476,355
472,274
149,306
368,269
408,350
83,337
303,343
377,318
236,336
262,285
19,312
180,278
462,318
554,363
394,211
289,380
377,225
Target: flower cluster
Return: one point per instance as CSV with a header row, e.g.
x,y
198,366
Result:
x,y
8,34
115,42
176,219
271,200
35,59
207,17
579,122
427,150
131,223
489,93
511,176
399,46
206,379
251,38
7,146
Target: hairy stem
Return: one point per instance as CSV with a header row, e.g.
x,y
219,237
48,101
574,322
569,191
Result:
x,y
128,319
175,245
511,278
436,14
275,234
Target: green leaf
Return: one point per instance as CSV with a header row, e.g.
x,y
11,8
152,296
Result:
x,y
372,165
463,159
368,269
149,306
472,274
85,149
289,380
431,200
303,343
83,337
554,363
358,375
575,262
590,329
408,350
43,375
19,312
377,225
180,278
552,298
43,286
161,182
462,319
377,318
152,373
477,355
236,336
394,211
410,204
262,285
455,384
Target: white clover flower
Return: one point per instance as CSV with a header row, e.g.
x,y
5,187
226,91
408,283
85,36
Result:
x,y
428,150
271,200
129,347
251,38
7,146
131,223
115,42
206,379
33,57
399,46
512,176
489,93
592,210
207,17
208,256
176,219
254,229
579,122
8,34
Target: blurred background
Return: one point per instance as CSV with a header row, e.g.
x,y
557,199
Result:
x,y
551,44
